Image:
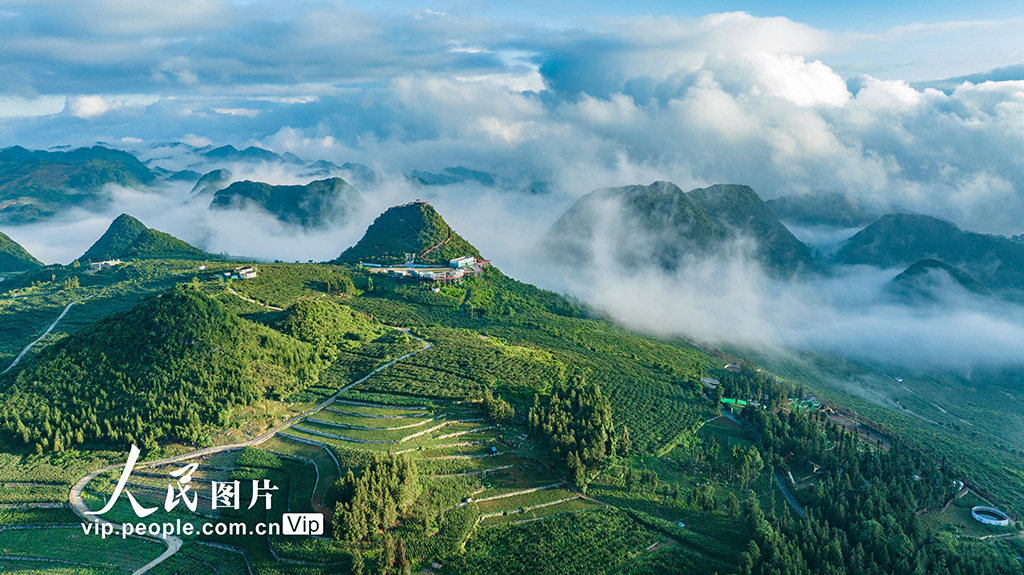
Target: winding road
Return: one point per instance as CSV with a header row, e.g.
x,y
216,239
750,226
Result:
x,y
174,543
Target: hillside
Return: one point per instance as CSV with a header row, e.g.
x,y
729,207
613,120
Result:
x,y
35,185
902,239
154,244
128,238
314,205
661,225
741,211
119,236
929,279
212,182
174,366
823,209
14,258
413,228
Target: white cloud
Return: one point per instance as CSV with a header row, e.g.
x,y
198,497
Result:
x,y
89,107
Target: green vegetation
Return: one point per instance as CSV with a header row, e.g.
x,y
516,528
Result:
x,y
14,258
660,225
314,205
326,325
414,228
585,543
862,515
128,238
36,185
902,239
119,236
175,366
384,491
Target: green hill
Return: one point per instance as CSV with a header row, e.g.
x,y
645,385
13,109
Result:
x,y
413,228
314,205
14,258
661,225
128,238
35,185
740,210
119,236
212,182
153,244
927,278
902,239
173,367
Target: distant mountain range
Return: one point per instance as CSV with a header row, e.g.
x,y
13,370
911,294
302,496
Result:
x,y
902,239
128,238
662,225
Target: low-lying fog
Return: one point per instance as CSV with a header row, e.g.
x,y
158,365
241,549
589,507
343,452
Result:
x,y
723,299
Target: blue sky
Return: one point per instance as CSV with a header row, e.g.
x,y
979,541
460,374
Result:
x,y
791,97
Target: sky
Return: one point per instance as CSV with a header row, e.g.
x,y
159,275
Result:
x,y
919,104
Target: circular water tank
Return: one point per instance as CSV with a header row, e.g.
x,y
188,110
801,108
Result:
x,y
990,515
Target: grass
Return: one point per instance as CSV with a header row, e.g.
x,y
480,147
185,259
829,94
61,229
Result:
x,y
570,506
70,544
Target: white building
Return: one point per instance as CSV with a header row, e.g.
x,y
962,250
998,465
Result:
x,y
104,265
463,262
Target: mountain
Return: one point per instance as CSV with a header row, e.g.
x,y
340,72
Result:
x,y
250,154
661,225
184,176
741,211
314,205
128,238
823,209
174,366
902,239
35,185
119,236
413,228
928,279
456,175
212,182
153,244
14,258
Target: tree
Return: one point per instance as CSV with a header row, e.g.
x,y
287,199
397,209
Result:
x,y
358,563
625,444
733,505
387,556
400,559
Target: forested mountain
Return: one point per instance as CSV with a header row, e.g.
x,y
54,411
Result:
x,y
119,236
173,367
128,238
823,209
15,258
902,239
35,185
927,279
212,182
662,225
314,205
414,228
250,154
154,244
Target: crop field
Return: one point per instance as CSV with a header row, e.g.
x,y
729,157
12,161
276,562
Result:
x,y
70,544
571,505
35,567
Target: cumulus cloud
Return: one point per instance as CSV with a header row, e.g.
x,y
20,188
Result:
x,y
88,107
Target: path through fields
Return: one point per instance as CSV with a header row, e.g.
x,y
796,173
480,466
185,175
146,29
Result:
x,y
45,333
79,506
